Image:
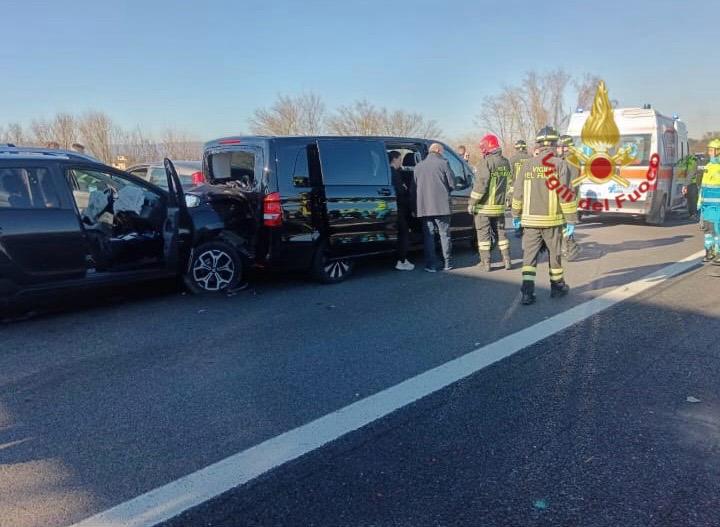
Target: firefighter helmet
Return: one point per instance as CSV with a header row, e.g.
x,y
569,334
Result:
x,y
520,144
547,136
566,140
714,143
489,143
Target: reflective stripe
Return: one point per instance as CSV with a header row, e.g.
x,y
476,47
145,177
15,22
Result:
x,y
527,185
493,189
532,220
504,244
711,200
554,272
553,203
476,195
491,210
529,268
484,246
569,207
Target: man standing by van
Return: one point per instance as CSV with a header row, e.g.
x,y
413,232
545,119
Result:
x,y
433,182
402,194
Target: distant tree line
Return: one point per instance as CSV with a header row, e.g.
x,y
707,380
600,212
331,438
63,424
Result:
x,y
102,138
306,114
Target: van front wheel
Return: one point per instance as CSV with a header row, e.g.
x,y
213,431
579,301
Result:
x,y
330,271
216,267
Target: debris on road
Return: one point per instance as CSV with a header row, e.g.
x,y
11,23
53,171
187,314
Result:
x,y
692,399
540,505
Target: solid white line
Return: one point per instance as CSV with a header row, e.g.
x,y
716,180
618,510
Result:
x,y
165,502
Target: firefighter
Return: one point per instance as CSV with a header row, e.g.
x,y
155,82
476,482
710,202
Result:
x,y
542,204
487,201
516,160
570,248
709,203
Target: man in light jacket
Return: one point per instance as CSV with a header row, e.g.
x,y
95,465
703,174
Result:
x,y
432,184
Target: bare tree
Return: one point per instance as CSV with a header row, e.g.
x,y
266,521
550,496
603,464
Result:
x,y
585,89
404,124
13,134
41,132
178,145
362,118
137,147
64,130
517,112
301,115
98,133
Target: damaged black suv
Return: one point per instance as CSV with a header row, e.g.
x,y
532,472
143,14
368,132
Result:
x,y
69,221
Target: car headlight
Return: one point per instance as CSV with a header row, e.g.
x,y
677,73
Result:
x,y
192,200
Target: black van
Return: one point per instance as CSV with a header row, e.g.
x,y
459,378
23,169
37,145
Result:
x,y
319,203
68,221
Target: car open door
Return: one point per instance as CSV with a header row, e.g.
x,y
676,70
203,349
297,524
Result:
x,y
176,229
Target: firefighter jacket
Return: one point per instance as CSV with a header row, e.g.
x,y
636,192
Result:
x,y
516,161
709,199
543,195
491,183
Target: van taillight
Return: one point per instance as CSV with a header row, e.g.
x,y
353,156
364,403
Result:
x,y
272,210
198,178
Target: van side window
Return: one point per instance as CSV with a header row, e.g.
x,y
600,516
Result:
x,y
354,162
301,174
28,188
456,165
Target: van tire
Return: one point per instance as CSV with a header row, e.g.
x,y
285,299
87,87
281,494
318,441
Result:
x,y
661,215
215,267
328,271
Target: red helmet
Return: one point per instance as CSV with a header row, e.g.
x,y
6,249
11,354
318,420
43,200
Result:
x,y
489,143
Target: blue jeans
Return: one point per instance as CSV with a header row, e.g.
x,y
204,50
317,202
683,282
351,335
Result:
x,y
442,223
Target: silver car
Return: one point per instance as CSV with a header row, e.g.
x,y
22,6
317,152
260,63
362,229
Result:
x,y
190,173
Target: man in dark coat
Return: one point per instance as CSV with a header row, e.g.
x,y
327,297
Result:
x,y
432,184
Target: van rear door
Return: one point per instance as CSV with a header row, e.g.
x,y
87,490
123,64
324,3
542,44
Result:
x,y
360,209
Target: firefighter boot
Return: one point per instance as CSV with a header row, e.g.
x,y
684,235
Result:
x,y
506,259
484,263
558,289
528,292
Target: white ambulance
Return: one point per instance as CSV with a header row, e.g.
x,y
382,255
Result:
x,y
647,132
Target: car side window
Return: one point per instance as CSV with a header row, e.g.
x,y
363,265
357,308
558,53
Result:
x,y
353,162
28,188
96,192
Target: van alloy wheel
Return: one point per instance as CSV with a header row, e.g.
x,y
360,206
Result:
x,y
213,270
337,269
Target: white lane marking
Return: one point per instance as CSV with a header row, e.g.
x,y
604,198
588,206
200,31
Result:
x,y
165,502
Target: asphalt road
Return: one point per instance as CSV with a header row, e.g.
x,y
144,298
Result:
x,y
103,402
589,427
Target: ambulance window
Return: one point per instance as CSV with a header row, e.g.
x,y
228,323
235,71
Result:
x,y
640,144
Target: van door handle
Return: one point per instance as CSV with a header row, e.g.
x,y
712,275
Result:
x,y
384,191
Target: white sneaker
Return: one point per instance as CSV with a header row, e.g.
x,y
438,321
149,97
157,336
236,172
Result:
x,y
404,266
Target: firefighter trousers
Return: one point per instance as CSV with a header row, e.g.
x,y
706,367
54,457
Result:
x,y
534,239
486,226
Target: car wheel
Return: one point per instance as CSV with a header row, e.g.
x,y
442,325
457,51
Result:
x,y
330,271
216,267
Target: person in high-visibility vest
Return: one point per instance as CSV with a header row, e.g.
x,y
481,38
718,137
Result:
x,y
709,203
545,216
487,201
516,161
688,164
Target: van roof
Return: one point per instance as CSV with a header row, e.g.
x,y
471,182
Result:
x,y
238,139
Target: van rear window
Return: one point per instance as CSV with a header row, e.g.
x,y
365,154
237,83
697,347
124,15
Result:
x,y
238,165
640,144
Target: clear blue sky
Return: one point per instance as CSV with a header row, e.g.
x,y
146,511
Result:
x,y
204,66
